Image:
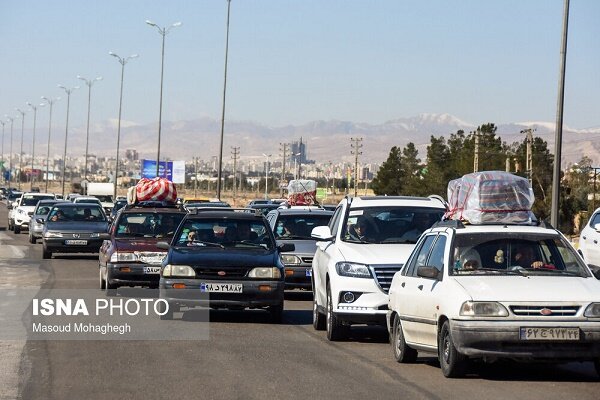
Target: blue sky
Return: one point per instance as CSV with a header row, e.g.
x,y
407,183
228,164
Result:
x,y
295,61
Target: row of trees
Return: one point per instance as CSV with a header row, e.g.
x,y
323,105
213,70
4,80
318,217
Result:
x,y
404,173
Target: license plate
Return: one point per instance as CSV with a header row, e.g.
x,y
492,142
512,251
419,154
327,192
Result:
x,y
76,242
309,272
221,287
152,260
151,270
550,334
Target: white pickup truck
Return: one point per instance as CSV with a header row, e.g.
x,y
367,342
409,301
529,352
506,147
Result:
x,y
104,192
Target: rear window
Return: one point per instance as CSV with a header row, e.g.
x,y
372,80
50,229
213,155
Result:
x,y
84,213
298,226
147,224
31,200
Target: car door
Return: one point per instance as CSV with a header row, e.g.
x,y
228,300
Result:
x,y
324,253
591,239
407,289
429,293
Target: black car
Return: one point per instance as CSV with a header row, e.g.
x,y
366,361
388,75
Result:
x,y
264,208
73,228
230,255
118,205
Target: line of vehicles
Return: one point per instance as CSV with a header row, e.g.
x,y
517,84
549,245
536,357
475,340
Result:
x,y
462,291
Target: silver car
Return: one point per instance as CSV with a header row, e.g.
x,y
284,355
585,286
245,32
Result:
x,y
41,211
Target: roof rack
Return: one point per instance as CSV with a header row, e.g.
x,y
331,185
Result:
x,y
153,204
438,198
198,210
449,223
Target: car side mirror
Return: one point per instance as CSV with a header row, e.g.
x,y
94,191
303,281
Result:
x,y
40,220
595,270
428,272
163,245
597,227
286,247
321,233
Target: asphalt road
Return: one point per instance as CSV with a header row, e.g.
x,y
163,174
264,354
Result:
x,y
245,356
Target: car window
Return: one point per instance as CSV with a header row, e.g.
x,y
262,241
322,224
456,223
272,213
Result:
x,y
225,233
298,226
83,213
334,222
30,200
595,219
43,210
509,253
147,224
436,258
419,257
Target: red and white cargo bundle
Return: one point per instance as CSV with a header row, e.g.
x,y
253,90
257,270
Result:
x,y
302,192
155,189
490,197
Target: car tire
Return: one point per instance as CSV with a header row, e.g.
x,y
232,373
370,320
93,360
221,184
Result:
x,y
402,353
32,239
335,329
318,318
17,229
169,314
597,365
102,281
46,255
452,363
110,286
276,313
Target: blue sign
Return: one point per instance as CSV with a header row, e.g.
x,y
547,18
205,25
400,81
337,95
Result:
x,y
165,169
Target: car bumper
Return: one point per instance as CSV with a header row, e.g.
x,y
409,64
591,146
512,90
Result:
x,y
132,274
22,222
57,245
479,339
251,297
370,304
298,276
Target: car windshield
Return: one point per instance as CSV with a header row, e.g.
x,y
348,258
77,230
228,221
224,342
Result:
x,y
298,226
225,233
43,209
518,253
148,224
104,198
84,213
30,200
14,196
119,204
394,224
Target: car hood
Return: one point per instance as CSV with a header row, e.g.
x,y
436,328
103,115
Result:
x,y
26,208
217,257
78,226
301,246
515,288
376,253
139,244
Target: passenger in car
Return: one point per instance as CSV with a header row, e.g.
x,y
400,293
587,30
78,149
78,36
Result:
x,y
525,257
470,260
419,224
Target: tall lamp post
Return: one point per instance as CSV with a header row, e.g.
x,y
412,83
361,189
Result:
x,y
122,61
163,32
266,175
21,152
64,166
34,108
223,109
50,102
295,166
2,156
89,83
10,166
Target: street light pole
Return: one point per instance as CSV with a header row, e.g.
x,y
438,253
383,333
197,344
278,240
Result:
x,y
50,103
163,32
89,83
223,108
2,157
266,175
64,166
21,152
10,166
122,61
34,108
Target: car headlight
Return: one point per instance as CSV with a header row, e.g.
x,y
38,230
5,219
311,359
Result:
x,y
592,311
289,259
178,270
119,256
22,212
483,309
352,269
265,272
50,234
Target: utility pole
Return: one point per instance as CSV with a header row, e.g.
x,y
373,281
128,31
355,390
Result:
x,y
195,176
356,145
529,154
284,149
301,155
476,157
235,154
594,195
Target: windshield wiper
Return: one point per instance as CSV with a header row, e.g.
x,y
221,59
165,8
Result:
x,y
203,243
357,241
293,237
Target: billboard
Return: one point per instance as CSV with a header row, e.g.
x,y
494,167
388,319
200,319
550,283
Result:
x,y
171,170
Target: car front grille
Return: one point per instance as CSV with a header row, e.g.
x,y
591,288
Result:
x,y
384,274
221,272
544,310
77,235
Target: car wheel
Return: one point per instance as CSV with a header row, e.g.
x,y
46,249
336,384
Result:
x,y
46,255
32,239
169,311
453,363
17,229
318,318
102,281
402,353
109,286
335,329
597,365
276,313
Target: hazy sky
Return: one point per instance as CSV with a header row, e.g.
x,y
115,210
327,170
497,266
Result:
x,y
294,61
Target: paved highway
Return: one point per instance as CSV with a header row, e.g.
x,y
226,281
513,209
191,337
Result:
x,y
245,357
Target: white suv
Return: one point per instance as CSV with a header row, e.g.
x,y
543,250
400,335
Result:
x,y
494,291
589,240
367,241
24,209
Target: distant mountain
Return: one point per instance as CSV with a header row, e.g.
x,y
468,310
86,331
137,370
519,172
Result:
x,y
326,140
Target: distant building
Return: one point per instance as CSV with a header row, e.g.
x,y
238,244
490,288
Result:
x,y
300,149
131,154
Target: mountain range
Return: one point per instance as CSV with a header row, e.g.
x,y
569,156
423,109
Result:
x,y
325,140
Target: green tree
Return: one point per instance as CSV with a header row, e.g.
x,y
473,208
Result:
x,y
411,168
437,174
388,179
